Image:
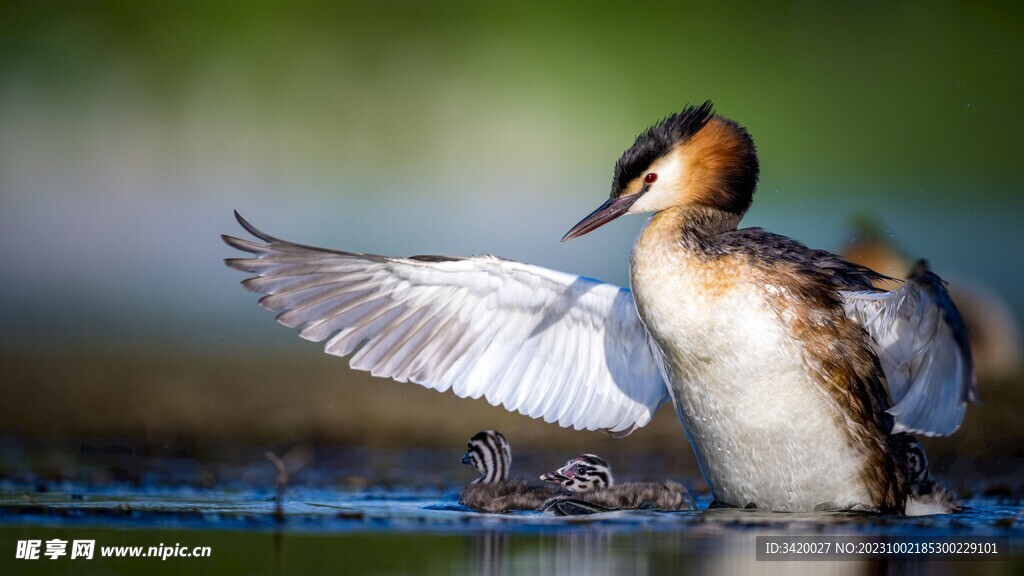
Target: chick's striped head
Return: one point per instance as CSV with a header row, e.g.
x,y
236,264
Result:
x,y
489,452
587,472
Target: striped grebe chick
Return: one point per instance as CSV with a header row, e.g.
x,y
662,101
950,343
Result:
x,y
775,356
927,496
589,478
491,455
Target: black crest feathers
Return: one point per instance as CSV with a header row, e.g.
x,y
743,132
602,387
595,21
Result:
x,y
654,142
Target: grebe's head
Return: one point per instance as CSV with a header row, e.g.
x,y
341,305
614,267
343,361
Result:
x,y
489,452
582,474
692,158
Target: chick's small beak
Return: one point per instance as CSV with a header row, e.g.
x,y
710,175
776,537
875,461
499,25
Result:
x,y
467,458
563,474
553,477
604,214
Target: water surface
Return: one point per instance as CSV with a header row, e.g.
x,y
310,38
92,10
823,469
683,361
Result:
x,y
398,531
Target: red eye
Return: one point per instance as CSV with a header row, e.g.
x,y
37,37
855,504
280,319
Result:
x,y
651,178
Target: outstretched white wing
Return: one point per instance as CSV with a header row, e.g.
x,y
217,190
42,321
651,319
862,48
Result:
x,y
921,342
546,344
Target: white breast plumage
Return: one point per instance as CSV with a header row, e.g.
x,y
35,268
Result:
x,y
763,430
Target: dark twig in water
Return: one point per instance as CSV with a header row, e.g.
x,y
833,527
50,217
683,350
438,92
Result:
x,y
293,461
282,483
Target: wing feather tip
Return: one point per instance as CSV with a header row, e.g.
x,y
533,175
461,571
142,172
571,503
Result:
x,y
242,264
251,285
232,241
901,428
252,229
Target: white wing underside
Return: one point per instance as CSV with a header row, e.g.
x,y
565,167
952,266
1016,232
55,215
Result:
x,y
549,345
922,346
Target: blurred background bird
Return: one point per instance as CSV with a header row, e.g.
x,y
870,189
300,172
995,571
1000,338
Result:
x,y
991,324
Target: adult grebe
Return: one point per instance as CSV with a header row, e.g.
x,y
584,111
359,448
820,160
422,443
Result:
x,y
773,354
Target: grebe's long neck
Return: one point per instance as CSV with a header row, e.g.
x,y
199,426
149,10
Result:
x,y
687,229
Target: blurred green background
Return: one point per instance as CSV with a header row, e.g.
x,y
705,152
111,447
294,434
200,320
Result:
x,y
130,130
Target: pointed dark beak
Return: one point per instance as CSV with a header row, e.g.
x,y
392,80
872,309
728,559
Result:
x,y
466,458
604,214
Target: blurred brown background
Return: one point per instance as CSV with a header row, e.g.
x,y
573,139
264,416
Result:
x,y
129,131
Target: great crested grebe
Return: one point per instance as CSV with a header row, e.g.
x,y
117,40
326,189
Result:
x,y
774,355
491,455
589,478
